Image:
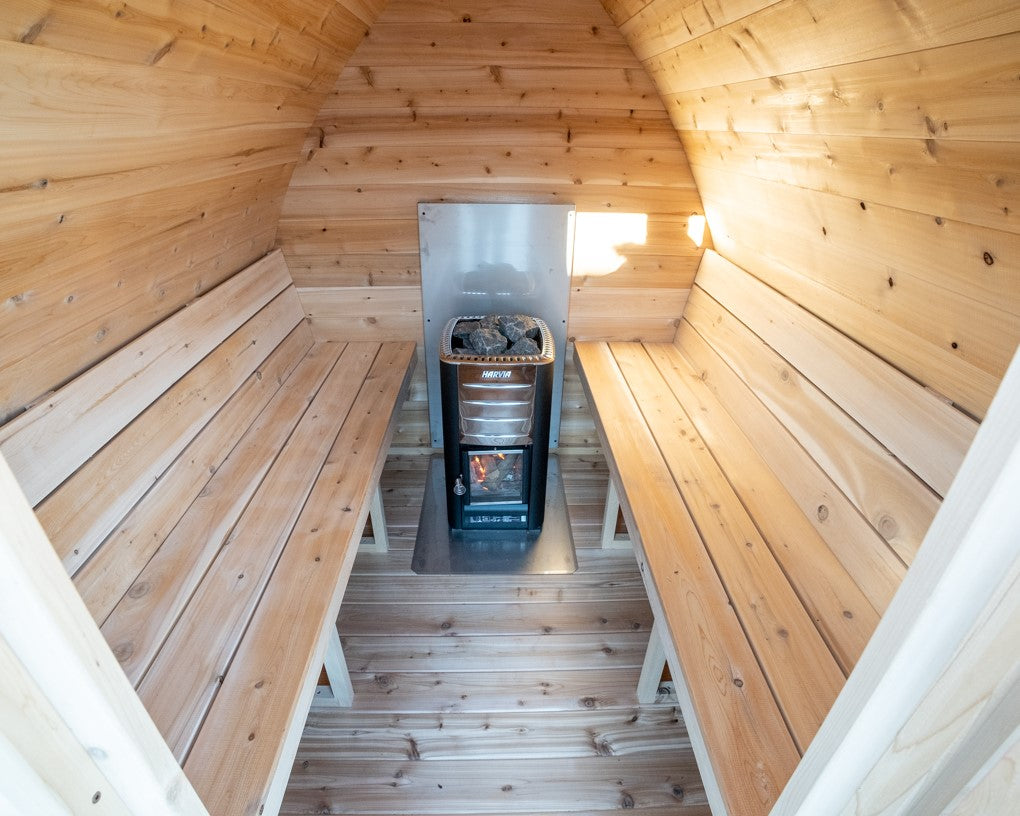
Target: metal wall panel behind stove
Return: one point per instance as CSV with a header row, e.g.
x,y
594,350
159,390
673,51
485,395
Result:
x,y
494,259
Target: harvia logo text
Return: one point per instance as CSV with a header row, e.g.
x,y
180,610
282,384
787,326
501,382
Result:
x,y
496,374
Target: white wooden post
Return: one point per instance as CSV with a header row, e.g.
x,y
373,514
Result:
x,y
74,733
380,541
933,706
340,691
651,669
609,539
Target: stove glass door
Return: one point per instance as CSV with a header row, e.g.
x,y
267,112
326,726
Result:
x,y
496,477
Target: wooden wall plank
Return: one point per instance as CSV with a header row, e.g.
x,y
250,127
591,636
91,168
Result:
x,y
896,503
954,92
64,282
369,736
526,103
395,202
574,12
150,151
921,175
795,114
433,85
923,432
503,44
365,312
790,36
528,127
471,164
623,10
46,444
90,504
923,329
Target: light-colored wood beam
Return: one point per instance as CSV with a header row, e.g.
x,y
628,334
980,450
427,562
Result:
x,y
74,732
934,697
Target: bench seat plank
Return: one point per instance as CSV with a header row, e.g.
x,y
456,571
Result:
x,y
184,678
898,504
925,432
796,661
105,577
840,609
272,678
150,608
86,508
869,560
48,442
735,724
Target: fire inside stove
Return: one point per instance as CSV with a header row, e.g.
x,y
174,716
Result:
x,y
496,378
498,476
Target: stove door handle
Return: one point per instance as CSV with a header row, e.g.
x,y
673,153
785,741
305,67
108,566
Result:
x,y
458,487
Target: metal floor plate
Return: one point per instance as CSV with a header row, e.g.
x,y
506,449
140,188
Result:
x,y
438,550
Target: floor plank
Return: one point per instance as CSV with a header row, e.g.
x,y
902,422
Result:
x,y
453,618
333,734
515,653
508,786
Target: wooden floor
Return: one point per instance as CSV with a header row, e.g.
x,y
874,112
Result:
x,y
495,695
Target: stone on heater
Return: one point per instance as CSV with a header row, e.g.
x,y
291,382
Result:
x,y
524,346
517,326
489,322
488,342
463,328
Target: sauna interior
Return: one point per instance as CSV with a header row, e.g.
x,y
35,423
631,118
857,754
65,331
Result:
x,y
793,305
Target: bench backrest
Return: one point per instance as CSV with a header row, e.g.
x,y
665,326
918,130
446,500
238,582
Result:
x,y
846,432
85,455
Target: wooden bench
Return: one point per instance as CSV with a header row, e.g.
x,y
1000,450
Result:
x,y
776,479
207,486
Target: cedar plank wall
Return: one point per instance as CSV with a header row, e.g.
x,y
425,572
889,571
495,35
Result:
x,y
862,157
144,156
479,101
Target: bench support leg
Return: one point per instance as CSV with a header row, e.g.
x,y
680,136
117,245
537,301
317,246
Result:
x,y
380,541
651,669
340,691
609,539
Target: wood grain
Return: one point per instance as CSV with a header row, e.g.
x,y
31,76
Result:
x,y
212,626
148,157
734,719
89,505
105,577
513,786
492,735
922,431
40,444
297,608
523,103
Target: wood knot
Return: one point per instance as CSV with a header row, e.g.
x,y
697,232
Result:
x,y
823,512
738,682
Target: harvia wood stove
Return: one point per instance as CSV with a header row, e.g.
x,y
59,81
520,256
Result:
x,y
495,503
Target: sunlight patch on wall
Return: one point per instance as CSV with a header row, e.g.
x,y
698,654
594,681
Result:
x,y
696,229
601,241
